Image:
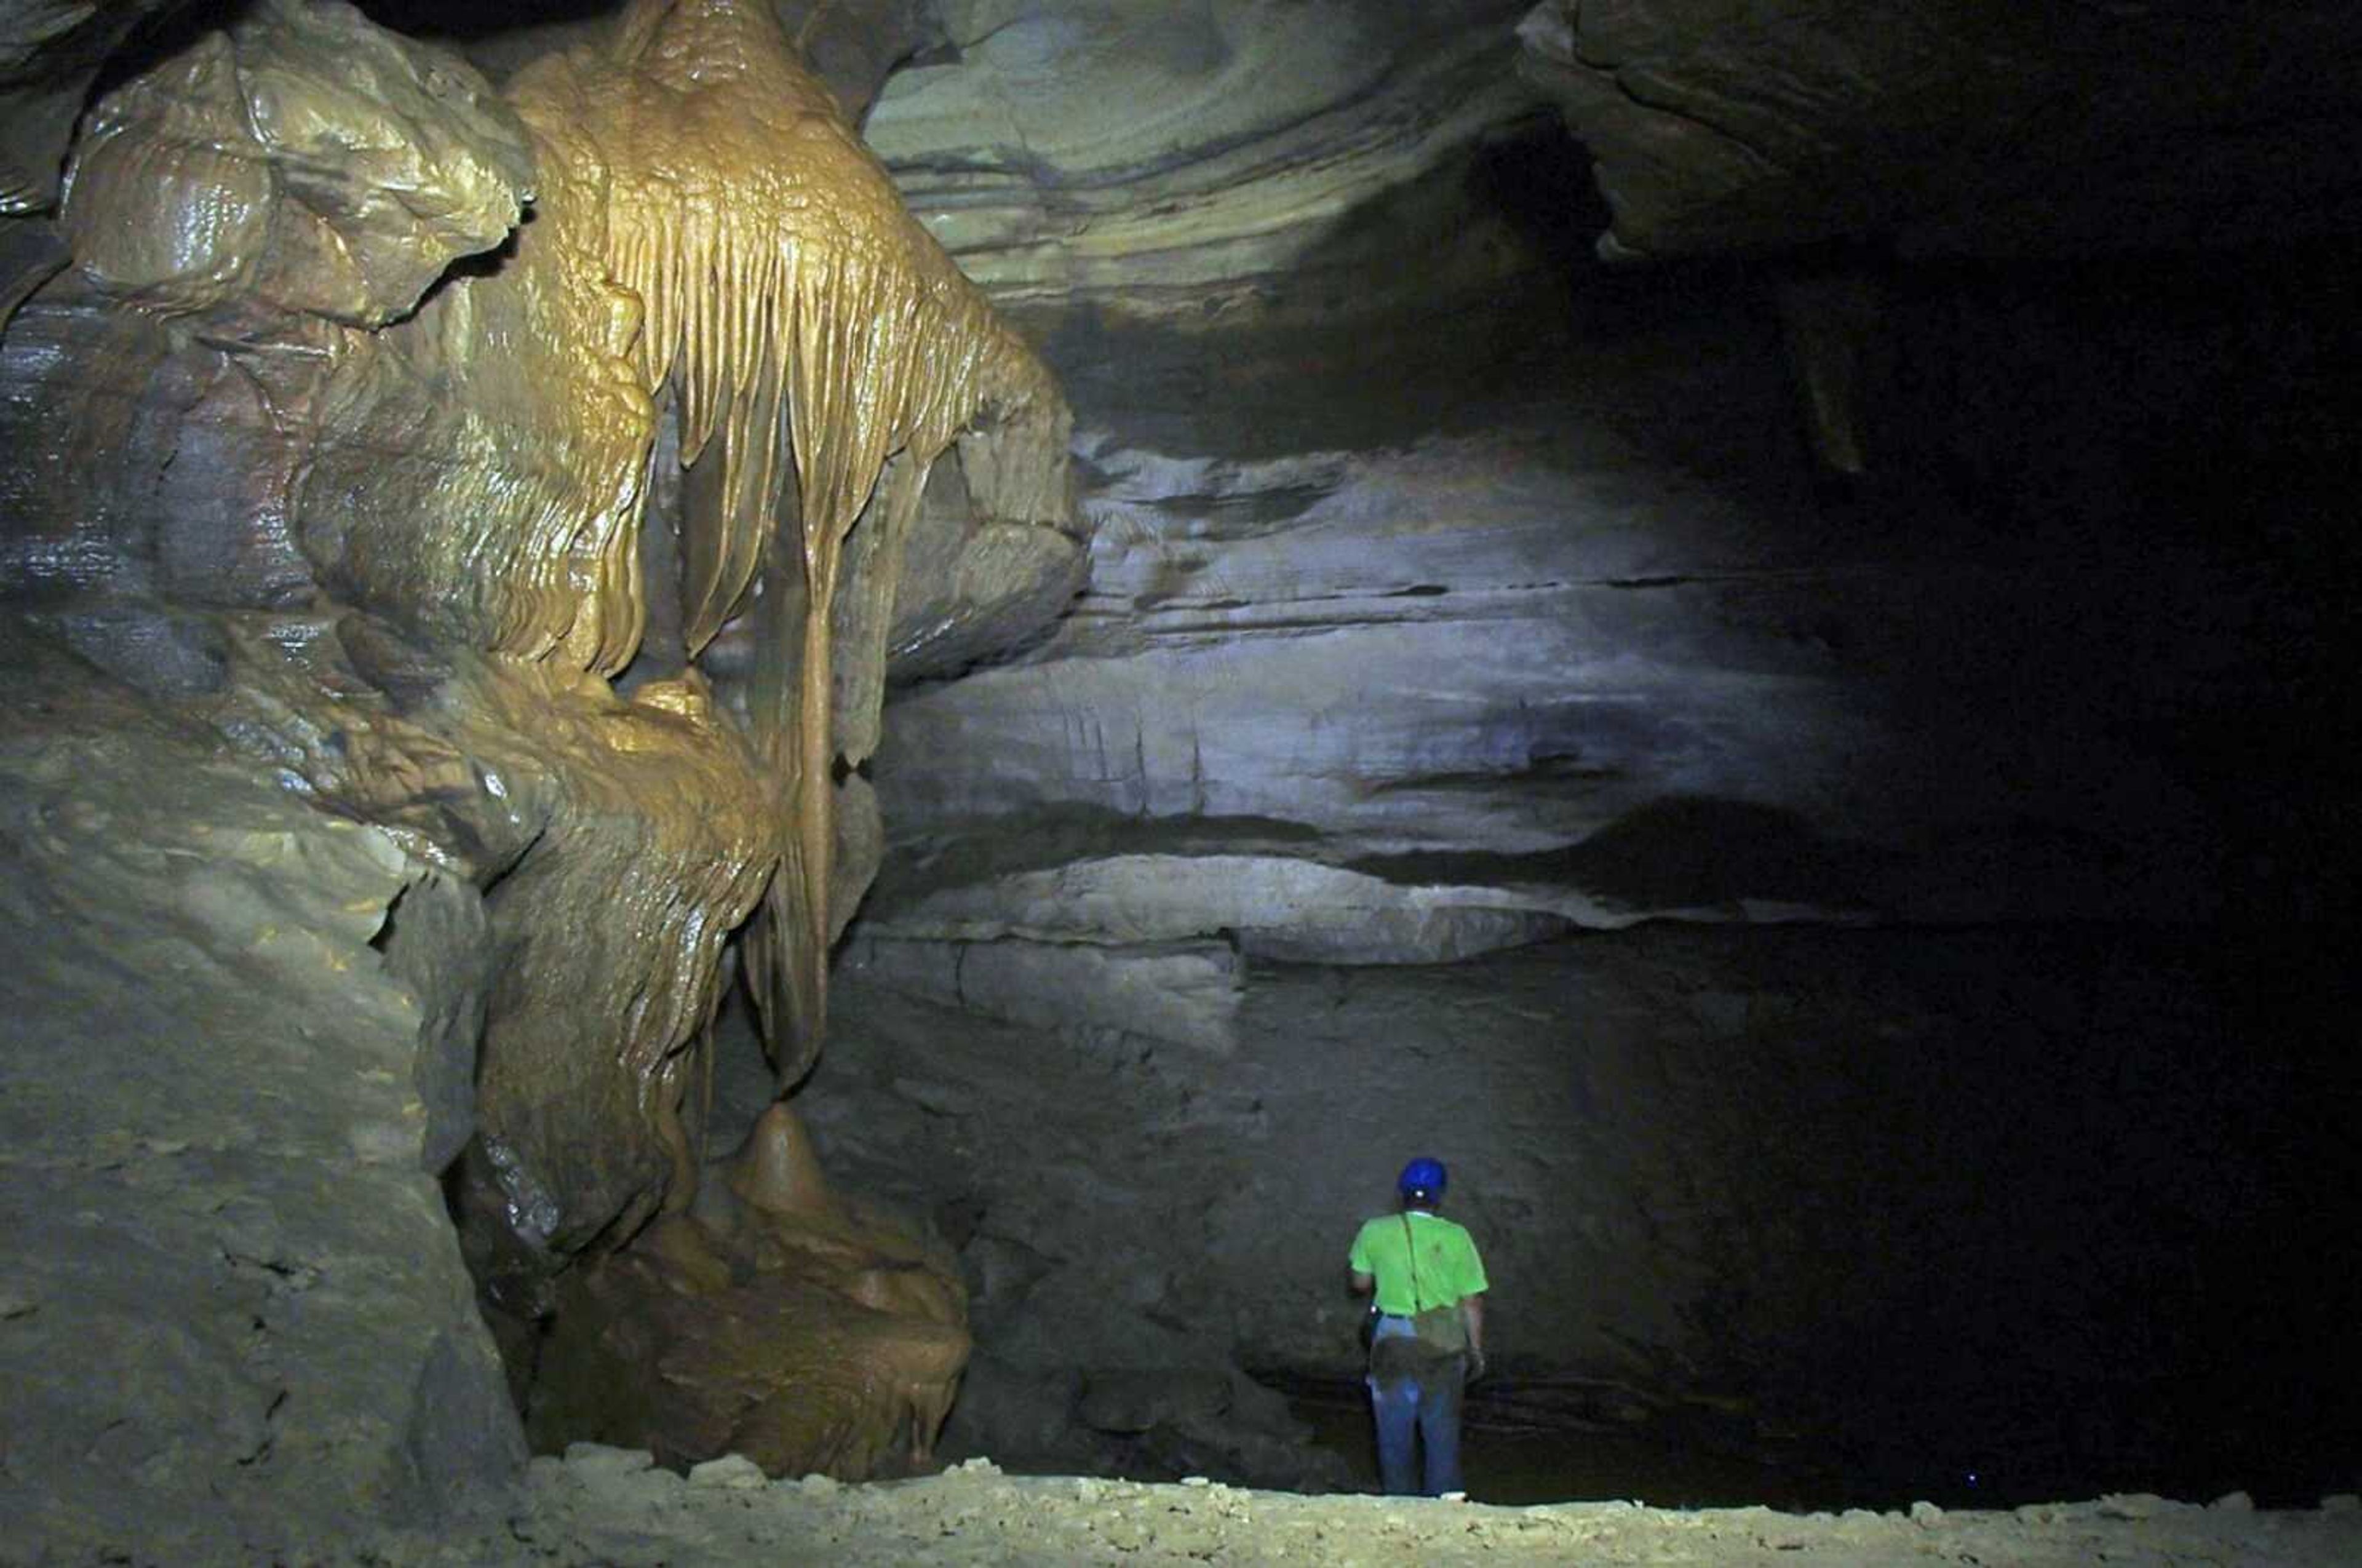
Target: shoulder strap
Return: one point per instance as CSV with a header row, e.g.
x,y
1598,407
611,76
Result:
x,y
1410,1251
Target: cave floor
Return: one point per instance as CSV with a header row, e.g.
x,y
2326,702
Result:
x,y
602,1506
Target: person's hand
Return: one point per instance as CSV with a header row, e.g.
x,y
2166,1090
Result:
x,y
1476,1365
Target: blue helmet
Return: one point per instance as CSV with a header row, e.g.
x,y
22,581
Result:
x,y
1422,1178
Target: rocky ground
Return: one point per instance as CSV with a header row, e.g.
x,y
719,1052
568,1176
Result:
x,y
602,1506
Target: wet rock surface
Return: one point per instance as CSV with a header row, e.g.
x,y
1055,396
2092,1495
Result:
x,y
234,1310
51,53
775,1321
329,468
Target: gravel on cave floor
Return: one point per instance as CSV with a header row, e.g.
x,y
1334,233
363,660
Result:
x,y
608,1507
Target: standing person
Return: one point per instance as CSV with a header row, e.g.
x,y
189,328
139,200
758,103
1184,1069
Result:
x,y
1428,1340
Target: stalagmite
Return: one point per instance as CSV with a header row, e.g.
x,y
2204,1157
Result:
x,y
778,1320
716,233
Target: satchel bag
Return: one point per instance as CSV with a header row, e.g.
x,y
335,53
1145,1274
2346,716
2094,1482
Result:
x,y
1444,1330
1438,1333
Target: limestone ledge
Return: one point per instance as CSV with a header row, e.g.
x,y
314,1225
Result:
x,y
1181,991
1444,695
1138,155
1157,946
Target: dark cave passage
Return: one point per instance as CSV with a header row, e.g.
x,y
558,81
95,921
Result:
x,y
1979,1217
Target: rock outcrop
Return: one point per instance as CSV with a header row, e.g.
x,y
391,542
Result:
x,y
1174,160
231,1314
337,439
778,1322
1953,127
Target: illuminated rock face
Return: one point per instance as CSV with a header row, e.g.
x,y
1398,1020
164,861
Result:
x,y
1419,628
1180,161
799,314
304,161
376,525
776,1320
231,1314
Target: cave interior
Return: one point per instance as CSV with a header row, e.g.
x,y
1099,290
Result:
x,y
816,730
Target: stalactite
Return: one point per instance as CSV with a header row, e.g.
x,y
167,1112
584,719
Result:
x,y
791,301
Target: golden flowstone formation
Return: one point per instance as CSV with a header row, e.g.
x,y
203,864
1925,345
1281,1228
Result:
x,y
709,243
798,314
778,1320
791,301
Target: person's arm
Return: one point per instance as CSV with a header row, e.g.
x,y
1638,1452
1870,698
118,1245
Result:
x,y
1363,1282
1472,1307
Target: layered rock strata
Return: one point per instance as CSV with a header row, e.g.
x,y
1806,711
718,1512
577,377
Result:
x,y
1409,703
1172,159
1425,620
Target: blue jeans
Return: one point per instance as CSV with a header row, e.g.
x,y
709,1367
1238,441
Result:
x,y
1426,1410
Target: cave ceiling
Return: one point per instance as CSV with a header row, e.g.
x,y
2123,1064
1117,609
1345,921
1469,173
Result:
x,y
1951,128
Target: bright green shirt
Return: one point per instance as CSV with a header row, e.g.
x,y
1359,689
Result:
x,y
1447,1265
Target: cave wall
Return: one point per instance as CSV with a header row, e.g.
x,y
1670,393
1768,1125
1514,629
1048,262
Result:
x,y
1433,610
232,1309
1438,609
1946,127
2022,1201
